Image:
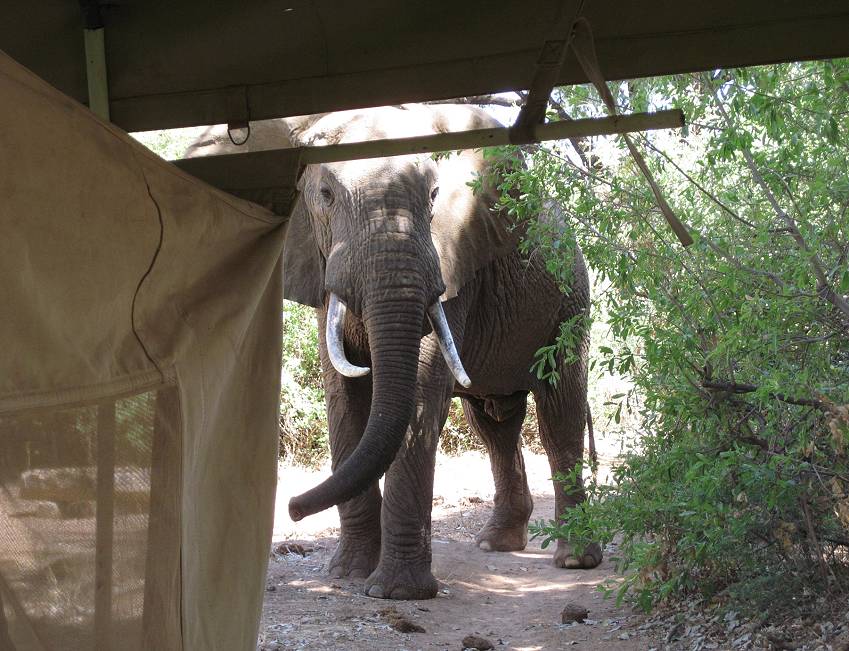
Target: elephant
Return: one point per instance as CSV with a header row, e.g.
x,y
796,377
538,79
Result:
x,y
422,294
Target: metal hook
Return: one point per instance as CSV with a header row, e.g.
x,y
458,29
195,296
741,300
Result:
x,y
231,126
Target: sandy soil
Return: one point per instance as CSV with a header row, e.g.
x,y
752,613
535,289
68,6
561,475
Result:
x,y
514,600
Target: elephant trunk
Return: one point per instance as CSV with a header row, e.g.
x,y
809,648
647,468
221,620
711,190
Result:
x,y
394,329
436,315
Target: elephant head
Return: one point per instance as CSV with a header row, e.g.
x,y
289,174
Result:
x,y
387,239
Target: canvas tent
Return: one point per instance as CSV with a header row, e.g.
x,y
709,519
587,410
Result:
x,y
139,380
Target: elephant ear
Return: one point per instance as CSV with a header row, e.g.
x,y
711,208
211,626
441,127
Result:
x,y
214,140
303,264
265,134
296,127
468,233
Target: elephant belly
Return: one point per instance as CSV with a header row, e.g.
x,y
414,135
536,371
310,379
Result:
x,y
516,310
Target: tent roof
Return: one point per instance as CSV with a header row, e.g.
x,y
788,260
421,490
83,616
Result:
x,y
173,64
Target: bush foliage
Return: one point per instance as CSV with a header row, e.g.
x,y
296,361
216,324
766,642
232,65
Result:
x,y
303,420
736,346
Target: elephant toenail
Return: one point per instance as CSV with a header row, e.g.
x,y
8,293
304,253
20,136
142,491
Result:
x,y
485,545
375,591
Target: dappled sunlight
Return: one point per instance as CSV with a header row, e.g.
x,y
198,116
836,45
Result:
x,y
524,554
509,581
513,599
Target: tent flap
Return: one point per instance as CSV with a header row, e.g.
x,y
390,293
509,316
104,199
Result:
x,y
139,384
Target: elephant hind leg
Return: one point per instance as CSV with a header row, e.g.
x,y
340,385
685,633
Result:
x,y
499,422
562,416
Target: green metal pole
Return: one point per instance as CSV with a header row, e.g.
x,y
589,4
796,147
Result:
x,y
95,58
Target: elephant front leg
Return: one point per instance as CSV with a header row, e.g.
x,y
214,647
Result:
x,y
348,404
404,571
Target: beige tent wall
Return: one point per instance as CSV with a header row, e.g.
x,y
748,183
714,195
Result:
x,y
139,384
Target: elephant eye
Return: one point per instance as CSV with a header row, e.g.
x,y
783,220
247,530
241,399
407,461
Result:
x,y
326,196
434,193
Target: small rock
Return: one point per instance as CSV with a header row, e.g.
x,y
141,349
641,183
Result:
x,y
404,625
476,642
573,612
399,622
474,499
271,588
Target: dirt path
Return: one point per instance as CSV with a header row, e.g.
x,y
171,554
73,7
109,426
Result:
x,y
512,599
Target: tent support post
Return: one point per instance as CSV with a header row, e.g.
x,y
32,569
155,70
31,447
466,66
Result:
x,y
95,58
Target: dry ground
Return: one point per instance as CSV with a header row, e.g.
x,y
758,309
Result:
x,y
512,599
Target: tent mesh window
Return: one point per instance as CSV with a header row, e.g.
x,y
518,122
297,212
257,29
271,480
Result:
x,y
87,512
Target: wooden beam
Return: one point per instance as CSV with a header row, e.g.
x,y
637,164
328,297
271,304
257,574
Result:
x,y
269,177
478,138
551,59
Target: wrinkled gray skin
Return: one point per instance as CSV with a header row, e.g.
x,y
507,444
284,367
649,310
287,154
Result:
x,y
389,237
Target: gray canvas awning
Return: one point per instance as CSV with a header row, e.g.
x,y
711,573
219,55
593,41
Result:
x,y
174,64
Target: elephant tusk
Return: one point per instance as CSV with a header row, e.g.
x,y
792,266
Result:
x,y
333,335
446,343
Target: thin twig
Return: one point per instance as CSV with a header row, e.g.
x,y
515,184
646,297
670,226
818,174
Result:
x,y
735,387
809,524
701,188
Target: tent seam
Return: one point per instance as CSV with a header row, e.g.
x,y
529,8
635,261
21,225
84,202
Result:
x,y
149,268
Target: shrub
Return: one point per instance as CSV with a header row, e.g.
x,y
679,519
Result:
x,y
303,420
737,346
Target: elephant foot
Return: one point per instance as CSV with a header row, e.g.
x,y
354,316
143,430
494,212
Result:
x,y
403,580
564,556
496,537
355,558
